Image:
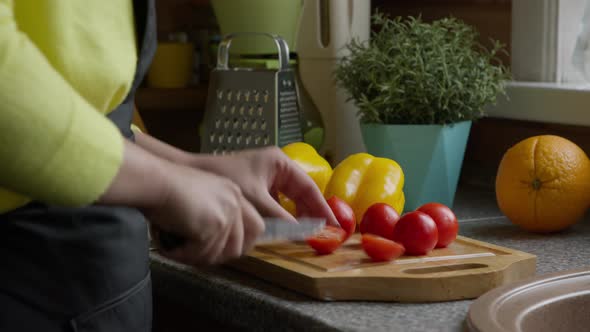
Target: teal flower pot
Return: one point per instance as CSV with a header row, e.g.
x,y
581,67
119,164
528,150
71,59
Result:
x,y
431,157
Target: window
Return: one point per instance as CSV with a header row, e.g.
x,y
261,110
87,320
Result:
x,y
544,34
547,87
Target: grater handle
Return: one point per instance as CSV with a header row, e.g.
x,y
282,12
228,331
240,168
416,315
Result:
x,y
223,53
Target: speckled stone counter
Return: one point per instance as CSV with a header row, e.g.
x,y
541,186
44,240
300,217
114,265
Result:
x,y
246,302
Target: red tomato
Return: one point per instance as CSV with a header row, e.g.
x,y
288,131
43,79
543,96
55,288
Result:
x,y
379,219
328,240
344,214
417,232
381,249
446,222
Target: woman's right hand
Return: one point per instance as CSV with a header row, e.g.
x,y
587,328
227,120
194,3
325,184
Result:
x,y
208,211
216,221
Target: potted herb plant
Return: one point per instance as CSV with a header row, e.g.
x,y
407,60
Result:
x,y
418,87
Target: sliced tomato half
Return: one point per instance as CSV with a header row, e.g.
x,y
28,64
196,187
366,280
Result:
x,y
381,249
328,240
344,214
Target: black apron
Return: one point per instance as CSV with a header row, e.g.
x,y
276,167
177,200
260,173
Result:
x,y
80,269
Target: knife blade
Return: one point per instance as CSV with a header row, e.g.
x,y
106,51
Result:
x,y
276,229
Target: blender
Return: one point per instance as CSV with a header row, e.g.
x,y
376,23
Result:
x,y
316,32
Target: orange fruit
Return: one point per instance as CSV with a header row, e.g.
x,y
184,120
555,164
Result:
x,y
543,183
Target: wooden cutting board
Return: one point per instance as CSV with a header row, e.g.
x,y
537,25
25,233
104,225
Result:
x,y
464,270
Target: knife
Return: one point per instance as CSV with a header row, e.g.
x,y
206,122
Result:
x,y
275,229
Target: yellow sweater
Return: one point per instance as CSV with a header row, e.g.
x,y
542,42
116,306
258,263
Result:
x,y
63,65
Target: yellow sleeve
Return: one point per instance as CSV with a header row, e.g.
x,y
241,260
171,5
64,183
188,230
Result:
x,y
54,146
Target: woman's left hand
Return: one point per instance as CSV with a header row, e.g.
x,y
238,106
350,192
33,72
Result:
x,y
261,174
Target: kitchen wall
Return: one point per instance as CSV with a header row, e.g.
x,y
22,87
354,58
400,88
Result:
x,y
173,115
492,18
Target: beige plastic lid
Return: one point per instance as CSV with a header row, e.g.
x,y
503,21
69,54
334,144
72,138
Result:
x,y
553,302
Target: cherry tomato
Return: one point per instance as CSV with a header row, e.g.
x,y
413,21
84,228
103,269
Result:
x,y
381,249
446,222
344,214
417,232
328,240
379,219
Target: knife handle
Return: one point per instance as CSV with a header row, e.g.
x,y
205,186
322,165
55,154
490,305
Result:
x,y
170,241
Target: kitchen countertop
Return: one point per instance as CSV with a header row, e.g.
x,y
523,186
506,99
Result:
x,y
240,300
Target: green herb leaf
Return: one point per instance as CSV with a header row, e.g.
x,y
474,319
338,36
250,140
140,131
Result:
x,y
412,72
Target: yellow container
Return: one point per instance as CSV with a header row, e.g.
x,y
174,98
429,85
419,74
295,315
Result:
x,y
172,65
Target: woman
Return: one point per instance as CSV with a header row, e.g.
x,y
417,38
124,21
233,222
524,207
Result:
x,y
75,184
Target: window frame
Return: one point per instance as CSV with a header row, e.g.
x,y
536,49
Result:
x,y
546,86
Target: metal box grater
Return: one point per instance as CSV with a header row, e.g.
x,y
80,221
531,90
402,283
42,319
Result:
x,y
250,108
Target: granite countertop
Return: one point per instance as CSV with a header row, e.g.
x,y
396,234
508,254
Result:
x,y
244,301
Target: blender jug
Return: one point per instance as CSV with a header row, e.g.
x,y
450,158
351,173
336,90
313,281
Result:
x,y
316,32
280,17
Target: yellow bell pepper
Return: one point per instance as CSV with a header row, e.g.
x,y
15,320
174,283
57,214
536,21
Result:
x,y
312,163
362,180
